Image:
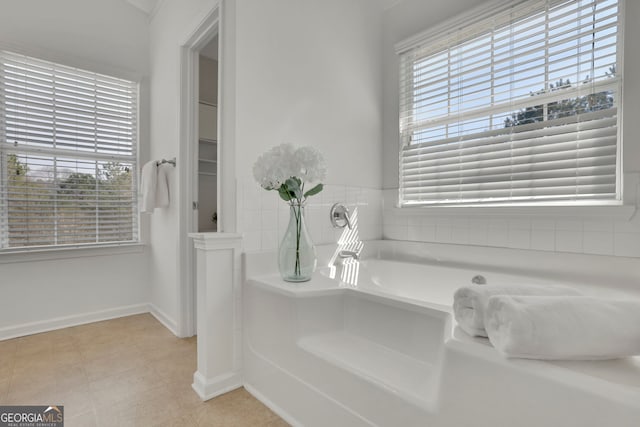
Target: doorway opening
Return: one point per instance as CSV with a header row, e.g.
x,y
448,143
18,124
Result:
x,y
207,150
199,147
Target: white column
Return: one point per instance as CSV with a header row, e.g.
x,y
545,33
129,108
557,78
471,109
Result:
x,y
218,279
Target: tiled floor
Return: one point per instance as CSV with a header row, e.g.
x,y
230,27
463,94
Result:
x,y
123,372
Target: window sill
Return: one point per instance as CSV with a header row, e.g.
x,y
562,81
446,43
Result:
x,y
49,254
611,212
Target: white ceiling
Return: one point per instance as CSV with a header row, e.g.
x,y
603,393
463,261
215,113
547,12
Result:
x,y
147,6
388,4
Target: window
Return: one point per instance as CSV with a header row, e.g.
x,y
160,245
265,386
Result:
x,y
68,159
521,106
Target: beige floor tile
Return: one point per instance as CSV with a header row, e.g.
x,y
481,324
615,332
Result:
x,y
179,421
124,386
7,363
8,346
236,408
4,390
76,400
113,364
85,419
34,345
129,371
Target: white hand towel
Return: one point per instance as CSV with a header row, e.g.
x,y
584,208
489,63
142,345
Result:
x,y
470,302
564,328
162,188
148,186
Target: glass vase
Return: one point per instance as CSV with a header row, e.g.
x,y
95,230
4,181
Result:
x,y
297,255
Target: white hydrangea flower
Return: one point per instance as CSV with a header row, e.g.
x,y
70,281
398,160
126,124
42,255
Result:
x,y
275,166
309,164
280,163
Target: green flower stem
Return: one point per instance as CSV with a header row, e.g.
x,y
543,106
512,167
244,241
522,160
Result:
x,y
296,204
297,211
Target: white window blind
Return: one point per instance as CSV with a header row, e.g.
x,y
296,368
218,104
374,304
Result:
x,y
68,161
520,107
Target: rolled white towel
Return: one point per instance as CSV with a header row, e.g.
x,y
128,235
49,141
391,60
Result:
x,y
563,328
470,302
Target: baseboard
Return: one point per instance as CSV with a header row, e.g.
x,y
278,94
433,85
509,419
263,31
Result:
x,y
208,389
68,321
162,317
269,404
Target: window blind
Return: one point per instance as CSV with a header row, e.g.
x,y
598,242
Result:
x,y
68,161
520,107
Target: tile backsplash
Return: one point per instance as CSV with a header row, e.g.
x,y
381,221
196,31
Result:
x,y
575,235
263,216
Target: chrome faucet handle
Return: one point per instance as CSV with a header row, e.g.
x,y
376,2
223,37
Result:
x,y
349,254
339,216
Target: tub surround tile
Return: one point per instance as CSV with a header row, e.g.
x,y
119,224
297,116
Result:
x,y
519,238
459,235
632,226
592,225
269,239
269,219
598,236
443,232
478,223
414,221
269,200
251,219
252,241
569,241
413,233
543,224
460,222
264,214
497,223
543,240
569,224
478,236
497,236
519,223
598,243
626,244
266,217
396,232
427,232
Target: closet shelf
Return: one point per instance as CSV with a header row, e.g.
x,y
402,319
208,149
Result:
x,y
208,161
207,173
208,140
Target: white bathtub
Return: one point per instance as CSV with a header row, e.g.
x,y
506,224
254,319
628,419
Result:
x,y
374,343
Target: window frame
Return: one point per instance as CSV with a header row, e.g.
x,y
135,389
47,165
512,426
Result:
x,y
75,250
621,208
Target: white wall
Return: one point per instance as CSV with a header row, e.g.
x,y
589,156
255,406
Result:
x,y
577,231
169,28
108,37
305,72
41,295
309,73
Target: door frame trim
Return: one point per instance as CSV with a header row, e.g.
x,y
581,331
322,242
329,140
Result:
x,y
201,34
